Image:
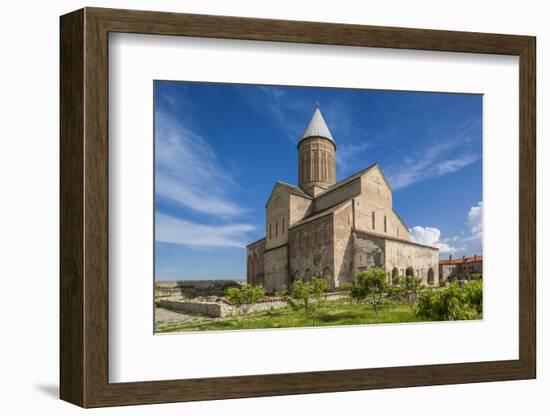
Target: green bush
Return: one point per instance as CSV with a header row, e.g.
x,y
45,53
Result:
x,y
473,295
452,303
397,281
344,287
475,276
369,287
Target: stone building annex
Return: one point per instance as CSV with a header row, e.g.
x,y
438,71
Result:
x,y
333,229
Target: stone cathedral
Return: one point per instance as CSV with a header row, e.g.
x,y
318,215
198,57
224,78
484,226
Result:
x,y
333,229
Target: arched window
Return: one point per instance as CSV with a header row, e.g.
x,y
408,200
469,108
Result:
x,y
307,275
276,228
409,271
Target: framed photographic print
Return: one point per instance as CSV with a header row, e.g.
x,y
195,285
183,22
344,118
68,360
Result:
x,y
256,207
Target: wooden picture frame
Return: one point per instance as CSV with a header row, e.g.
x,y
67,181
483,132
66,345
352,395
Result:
x,y
84,207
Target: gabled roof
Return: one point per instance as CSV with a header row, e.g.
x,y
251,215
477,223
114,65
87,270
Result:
x,y
317,127
348,179
293,190
390,237
322,213
400,219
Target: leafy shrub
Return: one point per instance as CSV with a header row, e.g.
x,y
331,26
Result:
x,y
441,305
369,287
344,287
475,276
451,303
473,295
397,281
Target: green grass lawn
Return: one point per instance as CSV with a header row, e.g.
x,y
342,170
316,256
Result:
x,y
338,312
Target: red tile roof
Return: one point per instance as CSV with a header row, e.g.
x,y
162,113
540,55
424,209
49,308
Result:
x,y
461,260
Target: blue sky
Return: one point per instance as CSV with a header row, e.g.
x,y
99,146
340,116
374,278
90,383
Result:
x,y
219,148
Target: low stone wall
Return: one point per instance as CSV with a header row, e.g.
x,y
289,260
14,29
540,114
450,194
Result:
x,y
221,309
212,309
194,288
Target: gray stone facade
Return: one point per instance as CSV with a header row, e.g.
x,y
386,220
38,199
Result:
x,y
333,229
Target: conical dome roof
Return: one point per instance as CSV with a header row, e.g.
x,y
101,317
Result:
x,y
317,127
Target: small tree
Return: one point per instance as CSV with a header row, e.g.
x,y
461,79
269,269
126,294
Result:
x,y
369,288
308,297
396,289
245,297
412,286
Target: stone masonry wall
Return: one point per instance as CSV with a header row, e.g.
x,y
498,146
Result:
x,y
343,246
276,269
299,208
277,218
341,194
255,263
376,197
311,250
404,255
369,252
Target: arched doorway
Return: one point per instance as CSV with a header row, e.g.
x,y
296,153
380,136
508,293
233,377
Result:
x,y
430,276
409,271
394,275
294,277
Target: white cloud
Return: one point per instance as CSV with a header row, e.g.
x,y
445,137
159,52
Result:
x,y
431,237
475,221
189,173
429,163
469,242
173,230
347,155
